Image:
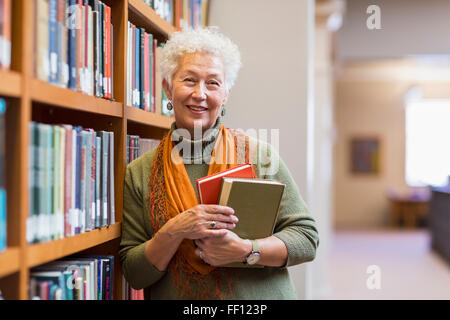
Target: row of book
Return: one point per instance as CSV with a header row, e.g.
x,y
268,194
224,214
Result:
x,y
191,13
142,65
163,8
137,146
5,33
2,177
181,13
79,277
74,45
71,181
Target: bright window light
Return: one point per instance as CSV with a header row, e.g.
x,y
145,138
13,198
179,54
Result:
x,y
427,142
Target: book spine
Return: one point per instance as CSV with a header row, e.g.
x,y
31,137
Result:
x,y
142,70
107,79
68,184
77,212
137,68
71,20
129,36
55,187
53,35
111,198
155,68
88,176
133,65
98,147
42,61
61,194
3,223
101,46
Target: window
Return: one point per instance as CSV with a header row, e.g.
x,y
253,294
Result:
x,y
427,142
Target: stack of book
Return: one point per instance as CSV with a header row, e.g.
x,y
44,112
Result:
x,y
191,13
2,177
73,45
71,180
5,34
82,277
137,146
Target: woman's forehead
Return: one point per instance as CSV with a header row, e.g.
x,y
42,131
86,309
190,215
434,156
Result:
x,y
199,62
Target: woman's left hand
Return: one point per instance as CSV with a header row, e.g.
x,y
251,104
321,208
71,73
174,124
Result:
x,y
229,248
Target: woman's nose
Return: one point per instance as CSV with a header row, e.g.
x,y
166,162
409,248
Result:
x,y
199,91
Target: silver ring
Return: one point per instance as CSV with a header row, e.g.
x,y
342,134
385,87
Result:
x,y
201,254
212,224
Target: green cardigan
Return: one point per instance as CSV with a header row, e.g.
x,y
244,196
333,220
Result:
x,y
295,227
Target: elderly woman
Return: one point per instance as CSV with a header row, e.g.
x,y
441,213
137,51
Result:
x,y
173,246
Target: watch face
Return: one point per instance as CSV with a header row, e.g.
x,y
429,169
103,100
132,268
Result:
x,y
253,258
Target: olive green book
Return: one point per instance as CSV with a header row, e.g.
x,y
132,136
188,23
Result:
x,y
256,203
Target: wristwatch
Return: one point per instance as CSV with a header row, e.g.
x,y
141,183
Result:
x,y
254,256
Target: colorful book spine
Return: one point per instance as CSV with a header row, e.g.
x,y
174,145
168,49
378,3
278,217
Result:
x,y
3,225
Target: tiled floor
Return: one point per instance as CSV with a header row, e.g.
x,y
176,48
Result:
x,y
407,267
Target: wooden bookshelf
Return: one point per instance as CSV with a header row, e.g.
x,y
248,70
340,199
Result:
x,y
148,118
47,251
62,97
9,261
29,100
10,83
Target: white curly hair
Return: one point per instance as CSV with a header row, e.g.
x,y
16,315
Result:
x,y
205,40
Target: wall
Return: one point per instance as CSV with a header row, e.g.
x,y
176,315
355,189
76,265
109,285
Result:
x,y
274,89
409,27
370,101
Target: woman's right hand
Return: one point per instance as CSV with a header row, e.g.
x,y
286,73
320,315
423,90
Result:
x,y
195,223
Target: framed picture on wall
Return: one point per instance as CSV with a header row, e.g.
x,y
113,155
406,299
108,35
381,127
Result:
x,y
365,155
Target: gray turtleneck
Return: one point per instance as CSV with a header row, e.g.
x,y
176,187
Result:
x,y
295,226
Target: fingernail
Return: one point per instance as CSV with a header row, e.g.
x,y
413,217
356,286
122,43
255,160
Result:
x,y
235,219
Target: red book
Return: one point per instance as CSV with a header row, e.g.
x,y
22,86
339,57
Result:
x,y
108,52
146,73
208,188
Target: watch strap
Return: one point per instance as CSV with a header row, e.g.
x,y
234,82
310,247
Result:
x,y
255,246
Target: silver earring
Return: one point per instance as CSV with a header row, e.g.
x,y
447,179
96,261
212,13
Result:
x,y
169,105
223,112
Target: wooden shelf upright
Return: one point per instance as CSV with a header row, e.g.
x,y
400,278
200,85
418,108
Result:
x,y
29,99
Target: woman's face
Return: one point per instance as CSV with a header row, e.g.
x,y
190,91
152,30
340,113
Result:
x,y
198,91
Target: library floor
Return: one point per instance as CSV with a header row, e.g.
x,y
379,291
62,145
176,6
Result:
x,y
408,268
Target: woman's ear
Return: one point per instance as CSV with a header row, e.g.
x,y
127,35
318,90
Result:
x,y
167,89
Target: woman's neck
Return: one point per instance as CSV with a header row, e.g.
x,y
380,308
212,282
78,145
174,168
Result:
x,y
196,150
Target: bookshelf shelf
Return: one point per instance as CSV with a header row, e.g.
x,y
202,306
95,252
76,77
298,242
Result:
x,y
148,118
61,97
44,252
9,261
148,17
10,83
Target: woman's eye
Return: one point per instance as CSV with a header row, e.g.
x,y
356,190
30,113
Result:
x,y
214,83
189,80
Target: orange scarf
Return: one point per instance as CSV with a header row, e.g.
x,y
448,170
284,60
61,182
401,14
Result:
x,y
171,192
